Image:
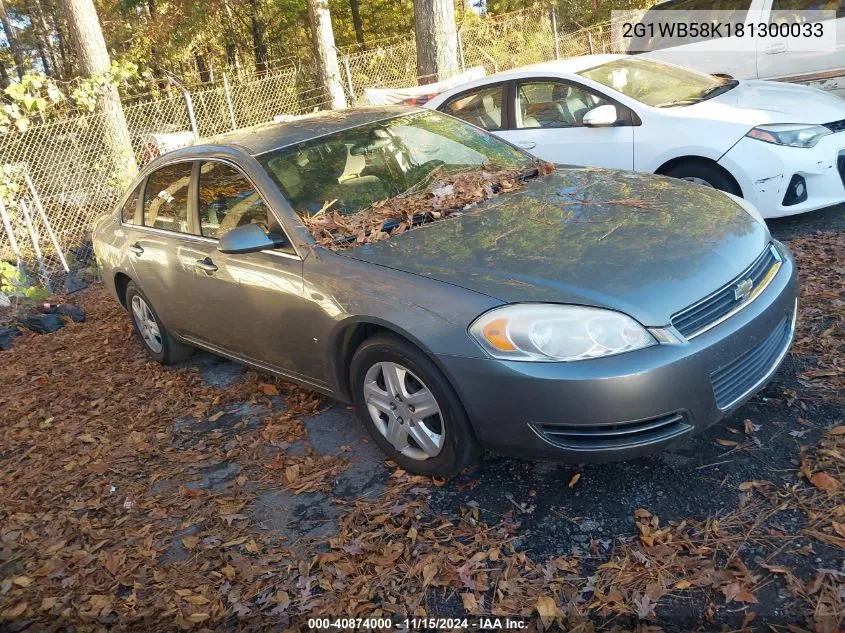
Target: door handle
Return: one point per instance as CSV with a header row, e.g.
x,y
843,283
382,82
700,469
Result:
x,y
527,144
206,264
136,248
774,49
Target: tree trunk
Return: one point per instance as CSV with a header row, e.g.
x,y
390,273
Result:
x,y
151,12
64,56
322,38
4,77
259,45
355,8
437,40
90,46
230,36
45,34
12,39
202,67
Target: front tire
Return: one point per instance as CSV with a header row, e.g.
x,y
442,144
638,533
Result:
x,y
704,174
157,341
410,409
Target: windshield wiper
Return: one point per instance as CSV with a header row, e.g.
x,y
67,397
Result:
x,y
715,91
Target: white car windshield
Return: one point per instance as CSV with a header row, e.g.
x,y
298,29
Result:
x,y
656,84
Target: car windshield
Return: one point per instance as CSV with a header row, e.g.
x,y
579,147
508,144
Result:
x,y
656,84
355,168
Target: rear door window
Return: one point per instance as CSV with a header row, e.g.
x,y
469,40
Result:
x,y
482,107
166,198
127,214
228,200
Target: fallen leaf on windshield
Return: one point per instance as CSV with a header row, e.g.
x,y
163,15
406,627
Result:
x,y
268,389
574,480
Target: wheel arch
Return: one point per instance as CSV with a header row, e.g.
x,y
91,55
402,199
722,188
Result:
x,y
693,159
121,281
348,336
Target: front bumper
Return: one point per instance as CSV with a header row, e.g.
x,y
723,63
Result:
x,y
764,172
632,404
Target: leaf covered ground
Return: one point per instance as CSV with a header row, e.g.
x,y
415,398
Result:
x,y
209,497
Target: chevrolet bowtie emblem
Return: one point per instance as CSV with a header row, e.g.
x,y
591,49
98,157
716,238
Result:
x,y
743,289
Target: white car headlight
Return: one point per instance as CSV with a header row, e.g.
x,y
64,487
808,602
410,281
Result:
x,y
749,208
551,332
791,134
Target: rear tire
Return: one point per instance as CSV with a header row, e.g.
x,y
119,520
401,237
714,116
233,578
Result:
x,y
155,338
439,444
703,174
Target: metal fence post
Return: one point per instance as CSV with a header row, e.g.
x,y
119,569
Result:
x,y
590,40
461,50
349,85
189,103
228,94
554,30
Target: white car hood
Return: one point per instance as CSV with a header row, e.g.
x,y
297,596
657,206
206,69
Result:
x,y
759,102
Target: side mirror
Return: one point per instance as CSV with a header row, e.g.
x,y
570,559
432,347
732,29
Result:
x,y
601,116
249,238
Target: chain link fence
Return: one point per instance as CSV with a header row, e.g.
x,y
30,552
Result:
x,y
59,174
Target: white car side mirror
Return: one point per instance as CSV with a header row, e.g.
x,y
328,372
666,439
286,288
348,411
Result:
x,y
601,116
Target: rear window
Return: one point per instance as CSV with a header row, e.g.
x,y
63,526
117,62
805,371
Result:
x,y
166,198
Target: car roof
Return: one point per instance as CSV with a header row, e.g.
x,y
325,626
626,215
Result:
x,y
569,65
266,137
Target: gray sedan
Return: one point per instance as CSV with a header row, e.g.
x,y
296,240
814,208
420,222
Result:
x,y
584,315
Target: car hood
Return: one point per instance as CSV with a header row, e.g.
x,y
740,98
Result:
x,y
642,244
759,102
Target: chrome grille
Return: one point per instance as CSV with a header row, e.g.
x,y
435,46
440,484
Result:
x,y
740,377
836,126
703,315
610,436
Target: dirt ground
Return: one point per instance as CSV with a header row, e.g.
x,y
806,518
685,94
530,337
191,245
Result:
x,y
209,497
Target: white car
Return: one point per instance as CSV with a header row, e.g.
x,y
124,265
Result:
x,y
773,57
779,146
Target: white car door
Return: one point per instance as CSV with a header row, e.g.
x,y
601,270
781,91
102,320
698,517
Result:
x,y
546,118
778,57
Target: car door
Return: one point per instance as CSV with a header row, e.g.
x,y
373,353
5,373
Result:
x,y
163,246
250,305
546,118
798,59
483,106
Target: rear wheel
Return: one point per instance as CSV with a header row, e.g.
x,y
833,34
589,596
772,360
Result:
x,y
410,409
703,174
157,341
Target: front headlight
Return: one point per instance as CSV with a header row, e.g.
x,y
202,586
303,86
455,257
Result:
x,y
749,208
791,134
550,332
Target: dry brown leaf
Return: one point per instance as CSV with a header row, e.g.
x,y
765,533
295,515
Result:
x,y
196,618
190,542
268,389
824,481
470,603
547,609
574,480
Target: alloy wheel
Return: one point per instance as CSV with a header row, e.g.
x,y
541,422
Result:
x,y
404,410
147,325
